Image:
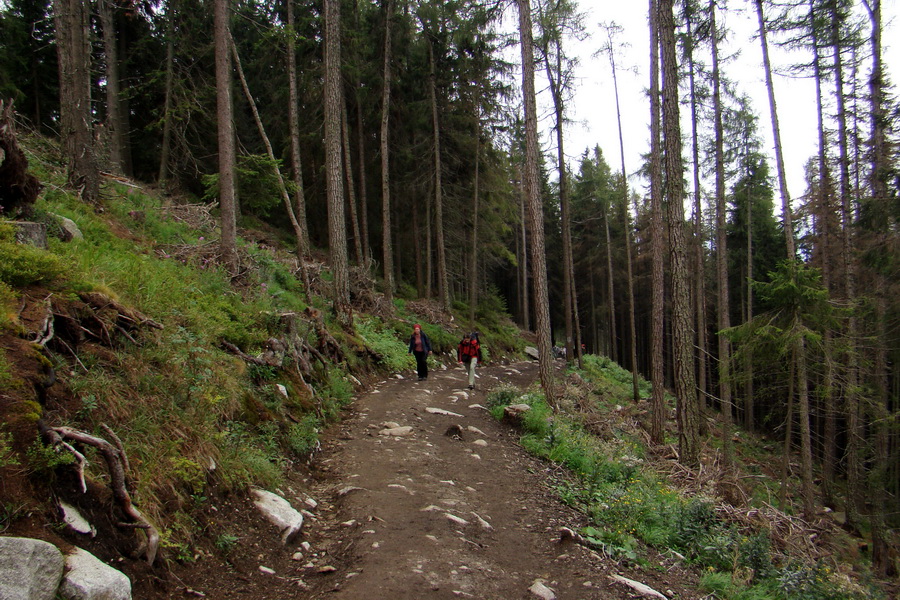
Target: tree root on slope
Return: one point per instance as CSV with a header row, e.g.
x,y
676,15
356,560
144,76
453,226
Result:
x,y
116,463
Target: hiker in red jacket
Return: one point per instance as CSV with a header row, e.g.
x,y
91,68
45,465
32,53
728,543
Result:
x,y
469,353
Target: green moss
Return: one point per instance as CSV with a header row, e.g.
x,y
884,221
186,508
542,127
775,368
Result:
x,y
23,264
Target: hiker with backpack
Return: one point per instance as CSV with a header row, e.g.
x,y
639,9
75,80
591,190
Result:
x,y
468,353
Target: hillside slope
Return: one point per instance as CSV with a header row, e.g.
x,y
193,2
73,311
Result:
x,y
212,383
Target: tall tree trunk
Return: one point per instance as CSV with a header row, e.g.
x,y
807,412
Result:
x,y
363,191
167,103
443,290
723,309
610,288
823,251
879,171
417,248
73,51
806,474
698,246
626,223
429,253
473,247
682,331
788,432
854,431
657,233
224,114
526,304
535,208
386,243
114,126
748,316
337,226
351,187
294,125
555,80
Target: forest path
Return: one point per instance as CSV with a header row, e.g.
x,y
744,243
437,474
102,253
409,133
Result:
x,y
429,515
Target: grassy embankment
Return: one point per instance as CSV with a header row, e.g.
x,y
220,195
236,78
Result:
x,y
189,413
640,506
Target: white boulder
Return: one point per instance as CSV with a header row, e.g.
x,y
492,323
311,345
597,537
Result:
x,y
89,578
29,569
280,513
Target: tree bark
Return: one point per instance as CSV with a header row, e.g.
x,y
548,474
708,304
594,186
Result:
x,y
786,212
387,245
473,247
363,192
73,50
165,150
626,223
682,332
555,80
443,289
294,125
657,233
525,287
224,110
114,125
698,246
337,226
534,205
822,251
351,187
723,309
854,431
610,288
879,170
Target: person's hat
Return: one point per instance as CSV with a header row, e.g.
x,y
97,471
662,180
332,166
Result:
x,y
417,326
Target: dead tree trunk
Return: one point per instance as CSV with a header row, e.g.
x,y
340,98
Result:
x,y
18,188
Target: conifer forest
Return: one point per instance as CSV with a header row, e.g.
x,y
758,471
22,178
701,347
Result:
x,y
424,142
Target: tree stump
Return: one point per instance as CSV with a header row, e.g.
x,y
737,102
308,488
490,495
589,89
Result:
x,y
30,233
18,188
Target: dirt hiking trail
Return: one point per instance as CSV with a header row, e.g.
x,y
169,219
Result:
x,y
464,513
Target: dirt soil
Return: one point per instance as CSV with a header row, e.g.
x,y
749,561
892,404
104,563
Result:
x,y
426,515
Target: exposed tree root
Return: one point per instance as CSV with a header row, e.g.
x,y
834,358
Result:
x,y
116,463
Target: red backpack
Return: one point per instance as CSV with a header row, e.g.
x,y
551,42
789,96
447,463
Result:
x,y
469,348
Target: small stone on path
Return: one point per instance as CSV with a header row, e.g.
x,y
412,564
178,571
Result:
x,y
458,520
542,591
441,411
397,431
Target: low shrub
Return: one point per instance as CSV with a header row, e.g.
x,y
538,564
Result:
x,y
391,349
23,264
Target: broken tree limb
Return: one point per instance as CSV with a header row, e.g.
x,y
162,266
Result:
x,y
100,302
45,331
298,230
640,588
115,466
243,355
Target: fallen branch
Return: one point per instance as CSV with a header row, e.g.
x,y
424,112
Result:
x,y
115,463
640,588
243,355
45,331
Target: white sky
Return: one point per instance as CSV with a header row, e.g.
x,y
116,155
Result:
x,y
592,112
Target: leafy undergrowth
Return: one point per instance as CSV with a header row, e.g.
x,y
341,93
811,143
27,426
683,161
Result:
x,y
207,379
637,497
